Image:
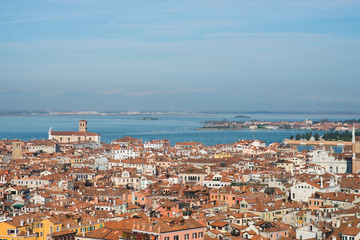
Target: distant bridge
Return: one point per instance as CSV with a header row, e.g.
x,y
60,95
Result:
x,y
318,143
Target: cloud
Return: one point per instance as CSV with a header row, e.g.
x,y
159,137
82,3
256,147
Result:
x,y
266,35
129,93
51,18
330,99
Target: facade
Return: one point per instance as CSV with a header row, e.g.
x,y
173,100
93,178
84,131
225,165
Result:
x,y
127,179
309,231
216,181
46,146
328,161
119,152
302,191
174,229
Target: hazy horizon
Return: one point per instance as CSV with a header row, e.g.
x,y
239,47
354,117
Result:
x,y
181,55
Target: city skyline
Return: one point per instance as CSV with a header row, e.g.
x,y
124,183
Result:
x,y
176,56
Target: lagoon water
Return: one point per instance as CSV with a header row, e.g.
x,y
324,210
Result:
x,y
174,128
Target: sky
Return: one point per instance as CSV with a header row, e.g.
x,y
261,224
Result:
x,y
241,55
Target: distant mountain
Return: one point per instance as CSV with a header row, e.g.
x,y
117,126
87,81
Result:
x,y
25,100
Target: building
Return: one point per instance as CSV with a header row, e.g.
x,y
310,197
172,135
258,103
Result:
x,y
46,146
328,161
64,137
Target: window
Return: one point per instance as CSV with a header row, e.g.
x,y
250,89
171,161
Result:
x,y
186,236
176,237
200,234
194,235
166,238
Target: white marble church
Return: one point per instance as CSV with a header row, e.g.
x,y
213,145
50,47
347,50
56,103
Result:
x,y
327,160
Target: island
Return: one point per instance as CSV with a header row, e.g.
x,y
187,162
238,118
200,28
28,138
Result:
x,y
242,116
149,118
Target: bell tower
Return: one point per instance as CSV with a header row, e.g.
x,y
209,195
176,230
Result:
x,y
355,150
82,126
16,150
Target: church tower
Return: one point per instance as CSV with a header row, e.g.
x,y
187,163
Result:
x,y
16,150
83,126
355,149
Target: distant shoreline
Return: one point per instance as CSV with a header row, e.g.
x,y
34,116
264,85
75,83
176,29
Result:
x,y
241,129
185,113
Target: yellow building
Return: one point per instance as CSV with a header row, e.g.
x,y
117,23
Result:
x,y
10,230
30,227
222,155
58,223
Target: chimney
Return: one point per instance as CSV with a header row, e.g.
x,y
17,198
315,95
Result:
x,y
338,223
321,182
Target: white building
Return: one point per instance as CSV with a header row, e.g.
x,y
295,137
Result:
x,y
124,153
302,191
309,231
327,160
128,179
216,181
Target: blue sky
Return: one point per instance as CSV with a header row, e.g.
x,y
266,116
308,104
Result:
x,y
248,55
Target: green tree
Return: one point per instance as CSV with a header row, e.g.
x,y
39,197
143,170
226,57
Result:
x,y
291,137
316,136
298,137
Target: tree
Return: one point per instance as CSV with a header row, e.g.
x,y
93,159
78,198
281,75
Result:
x,y
298,137
291,137
316,136
324,120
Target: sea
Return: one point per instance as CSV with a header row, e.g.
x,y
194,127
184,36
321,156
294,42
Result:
x,y
177,128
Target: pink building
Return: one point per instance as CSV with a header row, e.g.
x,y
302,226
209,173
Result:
x,y
171,229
